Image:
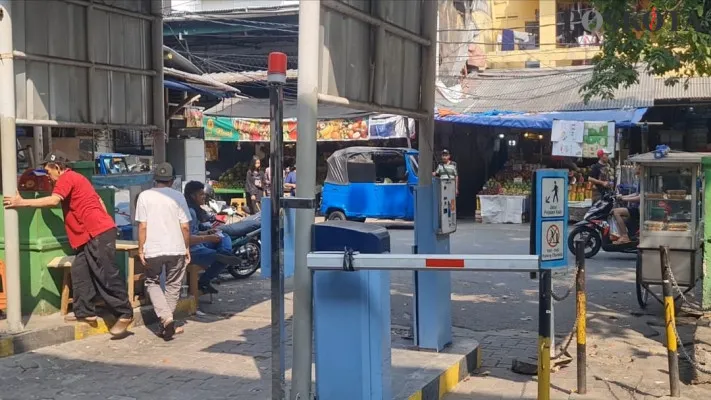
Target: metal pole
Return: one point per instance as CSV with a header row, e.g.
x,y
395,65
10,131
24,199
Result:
x,y
161,134
670,323
544,335
425,132
581,310
38,145
8,148
276,114
307,104
706,265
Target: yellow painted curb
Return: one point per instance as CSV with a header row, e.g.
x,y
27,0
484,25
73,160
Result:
x,y
448,380
187,305
416,396
6,347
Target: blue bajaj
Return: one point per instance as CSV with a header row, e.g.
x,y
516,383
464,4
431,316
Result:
x,y
370,182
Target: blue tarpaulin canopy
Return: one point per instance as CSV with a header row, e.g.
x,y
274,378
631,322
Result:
x,y
544,120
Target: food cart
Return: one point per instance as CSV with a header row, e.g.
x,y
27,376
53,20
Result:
x,y
671,214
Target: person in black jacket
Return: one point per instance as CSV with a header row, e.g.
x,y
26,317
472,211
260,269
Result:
x,y
255,185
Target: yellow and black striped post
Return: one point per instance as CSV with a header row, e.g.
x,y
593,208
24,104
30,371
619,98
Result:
x,y
581,315
670,323
544,335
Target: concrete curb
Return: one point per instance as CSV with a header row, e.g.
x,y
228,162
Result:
x,y
32,340
447,380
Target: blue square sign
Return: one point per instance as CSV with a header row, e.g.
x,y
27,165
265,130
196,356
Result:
x,y
549,230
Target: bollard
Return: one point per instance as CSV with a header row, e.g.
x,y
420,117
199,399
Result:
x,y
670,323
581,315
544,335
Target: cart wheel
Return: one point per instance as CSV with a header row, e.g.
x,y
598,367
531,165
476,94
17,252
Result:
x,y
642,290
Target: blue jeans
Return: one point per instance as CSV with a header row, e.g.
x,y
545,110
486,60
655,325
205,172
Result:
x,y
205,255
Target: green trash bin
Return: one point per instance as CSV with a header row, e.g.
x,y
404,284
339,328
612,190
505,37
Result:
x,y
85,168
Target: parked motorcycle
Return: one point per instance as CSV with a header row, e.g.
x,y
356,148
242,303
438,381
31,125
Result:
x,y
596,229
246,245
246,255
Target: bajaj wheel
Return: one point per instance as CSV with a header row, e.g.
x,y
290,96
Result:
x,y
590,236
252,253
336,216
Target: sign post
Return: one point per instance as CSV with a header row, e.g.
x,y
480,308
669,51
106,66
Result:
x,y
549,232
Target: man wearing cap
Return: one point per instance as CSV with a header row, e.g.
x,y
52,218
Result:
x,y
600,174
163,241
92,234
447,168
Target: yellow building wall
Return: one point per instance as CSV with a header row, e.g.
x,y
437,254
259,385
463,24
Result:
x,y
513,14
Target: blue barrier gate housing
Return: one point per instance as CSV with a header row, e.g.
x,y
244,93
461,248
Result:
x,y
433,290
266,266
352,317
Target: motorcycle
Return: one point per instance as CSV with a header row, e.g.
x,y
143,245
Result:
x,y
596,229
246,252
246,246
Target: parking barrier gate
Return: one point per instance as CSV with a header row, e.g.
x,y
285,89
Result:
x,y
352,313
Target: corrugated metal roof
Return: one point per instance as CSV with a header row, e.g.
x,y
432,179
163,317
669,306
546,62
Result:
x,y
543,91
698,88
247,76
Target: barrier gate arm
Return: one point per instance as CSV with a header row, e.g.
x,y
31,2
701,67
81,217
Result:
x,y
354,261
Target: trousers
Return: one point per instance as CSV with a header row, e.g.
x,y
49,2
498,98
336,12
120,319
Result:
x,y
164,303
94,271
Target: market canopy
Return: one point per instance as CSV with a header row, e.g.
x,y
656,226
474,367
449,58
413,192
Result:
x,y
624,118
259,109
247,120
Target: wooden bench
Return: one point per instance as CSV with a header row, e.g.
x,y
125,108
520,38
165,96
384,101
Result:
x,y
65,264
194,291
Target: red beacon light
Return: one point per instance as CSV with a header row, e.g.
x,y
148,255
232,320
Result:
x,y
276,70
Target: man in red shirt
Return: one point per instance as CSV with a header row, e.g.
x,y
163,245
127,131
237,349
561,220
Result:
x,y
92,234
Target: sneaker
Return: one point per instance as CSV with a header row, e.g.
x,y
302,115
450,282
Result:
x,y
207,288
121,326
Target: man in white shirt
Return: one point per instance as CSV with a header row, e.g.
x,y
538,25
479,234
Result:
x,y
164,241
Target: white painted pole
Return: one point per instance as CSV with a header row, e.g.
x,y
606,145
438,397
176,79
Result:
x,y
307,114
159,103
8,149
425,133
37,143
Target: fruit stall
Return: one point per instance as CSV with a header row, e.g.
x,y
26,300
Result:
x,y
580,192
505,198
232,139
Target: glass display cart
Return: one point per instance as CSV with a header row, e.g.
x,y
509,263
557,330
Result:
x,y
671,214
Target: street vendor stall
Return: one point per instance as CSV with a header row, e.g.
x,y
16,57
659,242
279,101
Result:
x,y
671,212
244,126
505,197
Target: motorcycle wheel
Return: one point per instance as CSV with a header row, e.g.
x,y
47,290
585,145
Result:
x,y
250,265
592,238
641,289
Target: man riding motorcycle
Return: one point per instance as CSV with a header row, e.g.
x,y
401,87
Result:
x,y
621,214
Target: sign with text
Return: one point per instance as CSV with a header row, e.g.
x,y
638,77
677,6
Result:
x,y
553,204
549,227
552,244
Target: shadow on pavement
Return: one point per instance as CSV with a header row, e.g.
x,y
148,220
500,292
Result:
x,y
30,376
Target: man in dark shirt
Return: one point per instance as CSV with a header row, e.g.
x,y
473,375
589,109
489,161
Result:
x,y
600,174
92,234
